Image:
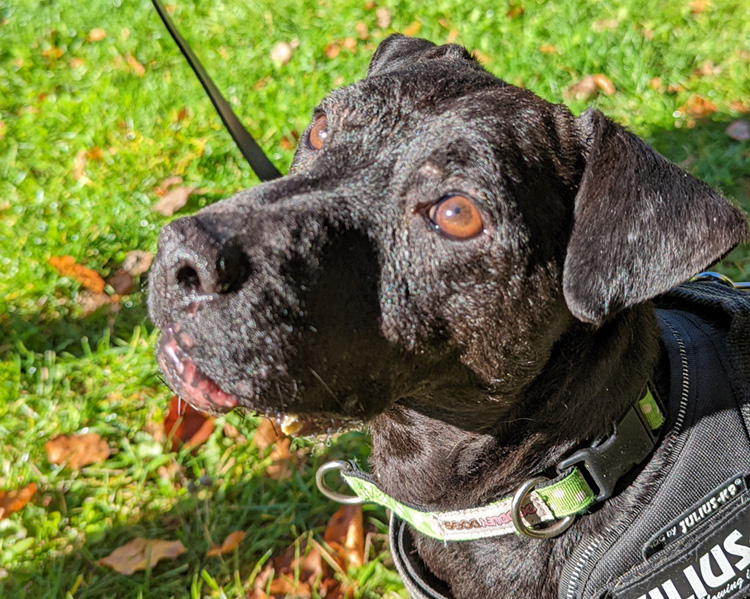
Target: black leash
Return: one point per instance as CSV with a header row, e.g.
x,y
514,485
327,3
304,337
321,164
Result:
x,y
250,149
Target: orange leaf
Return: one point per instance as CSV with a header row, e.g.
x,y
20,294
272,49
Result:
x,y
137,67
332,50
97,35
77,451
230,544
266,434
604,83
698,107
281,468
588,87
362,31
67,267
13,501
186,425
413,29
140,554
345,534
547,49
383,16
698,6
79,164
294,573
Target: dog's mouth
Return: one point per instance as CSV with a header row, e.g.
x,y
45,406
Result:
x,y
199,390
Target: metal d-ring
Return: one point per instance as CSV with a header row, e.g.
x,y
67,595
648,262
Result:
x,y
515,513
330,493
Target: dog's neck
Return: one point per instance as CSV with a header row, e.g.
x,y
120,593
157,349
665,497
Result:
x,y
587,384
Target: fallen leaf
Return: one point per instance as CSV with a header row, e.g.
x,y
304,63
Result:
x,y
163,188
332,50
739,130
452,36
515,11
345,534
736,105
707,69
482,57
698,6
230,544
95,153
294,574
67,267
122,282
675,88
137,67
97,35
383,17
173,200
90,301
79,163
137,262
52,53
350,44
698,107
362,31
605,84
13,501
187,426
605,25
77,451
281,53
140,554
266,434
413,29
547,49
232,432
77,62
655,83
588,87
281,466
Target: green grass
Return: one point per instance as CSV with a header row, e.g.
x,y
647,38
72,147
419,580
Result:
x,y
62,372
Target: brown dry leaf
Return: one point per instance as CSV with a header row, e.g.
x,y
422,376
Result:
x,y
53,53
452,36
345,534
232,432
76,62
296,561
137,262
137,67
122,282
67,267
13,501
79,164
349,44
605,84
173,200
77,451
90,301
482,57
547,49
281,53
383,17
516,10
186,425
96,35
736,105
698,107
698,6
362,31
283,460
230,544
588,87
266,434
140,554
163,188
739,130
655,83
413,29
332,50
605,25
707,69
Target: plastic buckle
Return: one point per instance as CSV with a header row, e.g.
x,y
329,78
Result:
x,y
604,464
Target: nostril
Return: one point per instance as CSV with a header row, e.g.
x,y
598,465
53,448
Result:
x,y
188,279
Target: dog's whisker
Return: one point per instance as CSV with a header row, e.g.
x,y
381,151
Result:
x,y
325,386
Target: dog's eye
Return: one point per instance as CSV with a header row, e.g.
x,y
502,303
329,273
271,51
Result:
x,y
318,133
457,217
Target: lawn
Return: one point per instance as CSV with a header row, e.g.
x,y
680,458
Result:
x,y
98,109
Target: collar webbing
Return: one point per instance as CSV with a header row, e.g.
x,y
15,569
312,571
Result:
x,y
569,494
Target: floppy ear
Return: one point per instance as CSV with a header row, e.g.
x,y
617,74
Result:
x,y
397,52
641,225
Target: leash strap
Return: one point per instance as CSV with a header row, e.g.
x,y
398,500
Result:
x,y
568,495
252,152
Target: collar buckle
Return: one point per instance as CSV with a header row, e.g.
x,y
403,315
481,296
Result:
x,y
605,463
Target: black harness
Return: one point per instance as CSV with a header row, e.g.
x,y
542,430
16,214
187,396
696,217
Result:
x,y
688,535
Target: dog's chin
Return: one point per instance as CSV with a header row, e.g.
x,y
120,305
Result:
x,y
200,391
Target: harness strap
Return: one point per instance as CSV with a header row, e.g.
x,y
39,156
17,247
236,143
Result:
x,y
252,152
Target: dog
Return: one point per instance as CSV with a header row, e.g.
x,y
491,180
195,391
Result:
x,y
477,276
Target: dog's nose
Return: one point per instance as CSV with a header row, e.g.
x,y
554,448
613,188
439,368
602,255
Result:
x,y
198,264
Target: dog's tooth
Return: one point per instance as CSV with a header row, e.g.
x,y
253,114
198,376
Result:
x,y
290,424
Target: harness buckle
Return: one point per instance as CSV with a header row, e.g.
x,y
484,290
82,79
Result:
x,y
604,464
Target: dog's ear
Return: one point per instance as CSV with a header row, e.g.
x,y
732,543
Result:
x,y
398,51
641,225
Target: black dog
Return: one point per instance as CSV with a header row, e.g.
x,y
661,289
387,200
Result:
x,y
469,270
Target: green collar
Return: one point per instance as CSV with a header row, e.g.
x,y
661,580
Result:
x,y
586,477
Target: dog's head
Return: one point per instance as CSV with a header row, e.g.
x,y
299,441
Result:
x,y
439,230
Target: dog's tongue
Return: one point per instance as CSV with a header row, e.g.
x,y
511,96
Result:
x,y
191,384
